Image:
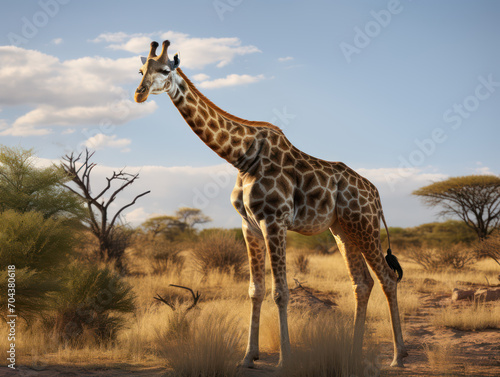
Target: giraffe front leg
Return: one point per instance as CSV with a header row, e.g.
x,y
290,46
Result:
x,y
256,257
275,238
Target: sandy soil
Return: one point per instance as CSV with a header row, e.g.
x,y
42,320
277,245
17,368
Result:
x,y
476,353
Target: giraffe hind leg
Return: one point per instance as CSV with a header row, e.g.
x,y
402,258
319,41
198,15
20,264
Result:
x,y
362,283
368,241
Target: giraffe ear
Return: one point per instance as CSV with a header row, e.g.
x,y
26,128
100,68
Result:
x,y
177,61
144,60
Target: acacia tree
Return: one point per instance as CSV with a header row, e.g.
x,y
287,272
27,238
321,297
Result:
x,y
190,217
184,220
166,225
101,222
475,199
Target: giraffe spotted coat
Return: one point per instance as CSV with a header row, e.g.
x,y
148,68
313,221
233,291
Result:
x,y
280,188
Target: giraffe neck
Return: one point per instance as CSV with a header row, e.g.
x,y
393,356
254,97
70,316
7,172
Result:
x,y
223,133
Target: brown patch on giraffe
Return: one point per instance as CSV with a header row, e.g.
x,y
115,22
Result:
x,y
199,122
203,113
222,137
187,111
190,99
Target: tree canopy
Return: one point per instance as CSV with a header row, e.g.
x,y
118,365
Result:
x,y
25,187
475,199
184,220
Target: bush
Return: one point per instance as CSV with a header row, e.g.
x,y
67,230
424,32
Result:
x,y
37,247
33,293
166,255
91,304
437,234
322,243
301,263
490,248
27,240
222,252
207,346
456,257
157,255
24,187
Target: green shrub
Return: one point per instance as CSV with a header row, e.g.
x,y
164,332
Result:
x,y
25,188
28,240
32,292
91,304
38,248
432,235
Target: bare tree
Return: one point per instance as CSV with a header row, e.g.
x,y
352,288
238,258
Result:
x,y
101,222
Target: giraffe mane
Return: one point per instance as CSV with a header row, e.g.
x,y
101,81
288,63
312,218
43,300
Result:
x,y
225,113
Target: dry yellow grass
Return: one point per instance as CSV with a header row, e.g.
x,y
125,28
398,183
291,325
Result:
x,y
225,293
469,317
322,347
210,343
441,357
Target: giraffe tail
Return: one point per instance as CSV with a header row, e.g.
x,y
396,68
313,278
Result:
x,y
391,259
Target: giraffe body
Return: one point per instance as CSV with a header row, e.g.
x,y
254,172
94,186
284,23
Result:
x,y
280,188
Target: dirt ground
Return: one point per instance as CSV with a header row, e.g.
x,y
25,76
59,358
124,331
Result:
x,y
476,354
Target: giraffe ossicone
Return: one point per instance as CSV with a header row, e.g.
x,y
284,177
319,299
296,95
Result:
x,y
280,188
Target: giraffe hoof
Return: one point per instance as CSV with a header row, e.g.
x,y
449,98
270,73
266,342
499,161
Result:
x,y
248,362
397,363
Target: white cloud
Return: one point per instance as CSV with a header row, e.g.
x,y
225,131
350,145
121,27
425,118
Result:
x,y
57,41
113,37
3,124
395,186
482,170
285,59
101,141
67,93
200,77
195,52
137,216
230,80
209,188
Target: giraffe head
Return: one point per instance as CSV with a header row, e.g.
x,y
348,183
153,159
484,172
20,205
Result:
x,y
156,71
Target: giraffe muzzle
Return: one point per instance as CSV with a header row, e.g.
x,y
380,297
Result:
x,y
141,94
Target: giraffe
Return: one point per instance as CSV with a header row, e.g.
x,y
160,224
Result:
x,y
280,188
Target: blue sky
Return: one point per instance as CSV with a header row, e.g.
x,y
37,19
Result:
x,y
405,92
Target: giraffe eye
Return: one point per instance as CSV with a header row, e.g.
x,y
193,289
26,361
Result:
x,y
140,73
164,72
